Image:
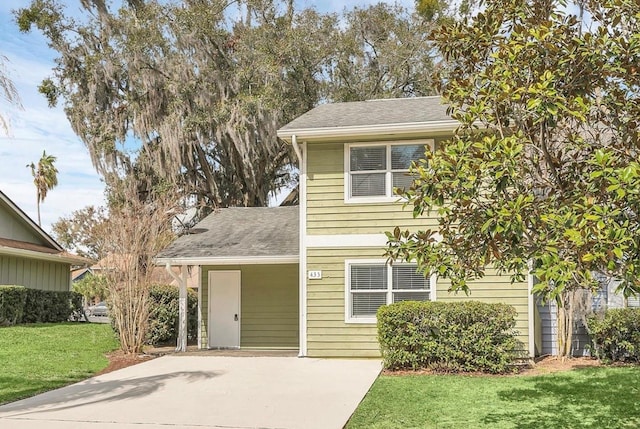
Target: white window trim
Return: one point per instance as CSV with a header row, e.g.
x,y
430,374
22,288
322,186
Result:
x,y
389,197
347,288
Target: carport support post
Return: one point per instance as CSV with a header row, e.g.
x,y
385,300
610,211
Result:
x,y
182,306
182,332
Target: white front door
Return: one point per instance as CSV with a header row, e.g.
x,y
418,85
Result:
x,y
224,309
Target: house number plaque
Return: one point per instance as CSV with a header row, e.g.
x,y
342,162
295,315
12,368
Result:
x,y
315,275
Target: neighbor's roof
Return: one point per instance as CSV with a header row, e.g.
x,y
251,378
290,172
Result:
x,y
238,234
395,113
29,222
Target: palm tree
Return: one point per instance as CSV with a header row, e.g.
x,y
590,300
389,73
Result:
x,y
45,177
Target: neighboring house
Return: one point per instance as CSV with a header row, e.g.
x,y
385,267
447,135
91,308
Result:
x,y
80,273
29,256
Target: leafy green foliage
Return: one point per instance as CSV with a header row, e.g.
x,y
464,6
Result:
x,y
460,337
616,334
12,300
164,308
19,304
92,287
45,306
542,175
37,358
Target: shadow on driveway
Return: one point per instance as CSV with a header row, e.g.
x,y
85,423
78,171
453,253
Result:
x,y
98,390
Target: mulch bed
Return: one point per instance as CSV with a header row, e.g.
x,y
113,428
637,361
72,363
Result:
x,y
118,360
542,365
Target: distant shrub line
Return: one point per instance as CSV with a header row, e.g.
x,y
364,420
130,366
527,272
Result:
x,y
19,304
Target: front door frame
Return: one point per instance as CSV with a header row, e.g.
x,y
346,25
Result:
x,y
210,302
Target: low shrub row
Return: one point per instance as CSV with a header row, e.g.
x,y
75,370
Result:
x,y
615,335
466,336
19,304
164,312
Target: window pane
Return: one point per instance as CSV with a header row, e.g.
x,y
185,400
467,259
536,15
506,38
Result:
x,y
366,304
366,185
405,277
402,180
410,296
368,158
368,277
402,155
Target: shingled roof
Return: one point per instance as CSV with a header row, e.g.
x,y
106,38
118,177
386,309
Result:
x,y
238,233
371,113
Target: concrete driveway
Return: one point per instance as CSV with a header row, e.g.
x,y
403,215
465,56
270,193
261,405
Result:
x,y
205,392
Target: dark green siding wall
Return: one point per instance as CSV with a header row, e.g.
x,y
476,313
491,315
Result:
x,y
269,305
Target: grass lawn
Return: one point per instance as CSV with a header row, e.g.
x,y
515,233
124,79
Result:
x,y
602,397
40,357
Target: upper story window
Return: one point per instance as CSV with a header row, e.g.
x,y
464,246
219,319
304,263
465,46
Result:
x,y
374,170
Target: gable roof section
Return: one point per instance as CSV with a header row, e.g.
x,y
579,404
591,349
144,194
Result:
x,y
44,248
29,223
371,117
238,235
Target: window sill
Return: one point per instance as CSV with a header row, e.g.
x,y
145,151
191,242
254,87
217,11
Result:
x,y
361,321
374,200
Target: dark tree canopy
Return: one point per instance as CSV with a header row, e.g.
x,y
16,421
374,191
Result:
x,y
201,89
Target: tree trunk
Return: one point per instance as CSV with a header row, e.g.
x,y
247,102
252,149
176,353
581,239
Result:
x,y
565,319
38,207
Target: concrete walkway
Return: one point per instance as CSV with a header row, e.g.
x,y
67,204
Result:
x,y
205,392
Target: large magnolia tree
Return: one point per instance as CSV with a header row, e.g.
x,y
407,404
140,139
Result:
x,y
543,174
202,86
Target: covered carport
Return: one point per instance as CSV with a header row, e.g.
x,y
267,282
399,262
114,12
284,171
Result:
x,y
248,294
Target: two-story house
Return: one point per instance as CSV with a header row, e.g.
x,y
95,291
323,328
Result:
x,y
312,277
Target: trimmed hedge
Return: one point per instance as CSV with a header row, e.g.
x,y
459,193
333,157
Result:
x,y
465,336
19,304
164,312
12,300
615,335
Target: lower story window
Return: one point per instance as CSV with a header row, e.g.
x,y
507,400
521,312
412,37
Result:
x,y
372,285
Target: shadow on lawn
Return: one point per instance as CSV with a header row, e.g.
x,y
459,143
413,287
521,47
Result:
x,y
597,399
97,390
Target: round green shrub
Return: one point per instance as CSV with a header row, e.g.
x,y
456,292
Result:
x,y
615,335
164,313
465,336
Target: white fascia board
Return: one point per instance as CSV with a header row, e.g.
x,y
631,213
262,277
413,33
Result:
x,y
249,260
52,257
369,130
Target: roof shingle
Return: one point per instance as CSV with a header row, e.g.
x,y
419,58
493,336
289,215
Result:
x,y
372,112
240,232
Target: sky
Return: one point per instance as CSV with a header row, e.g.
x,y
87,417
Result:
x,y
36,127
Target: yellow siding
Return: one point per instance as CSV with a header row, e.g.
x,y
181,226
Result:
x,y
494,288
329,336
327,212
269,305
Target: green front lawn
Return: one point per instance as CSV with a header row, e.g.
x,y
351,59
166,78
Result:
x,y
582,398
40,357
